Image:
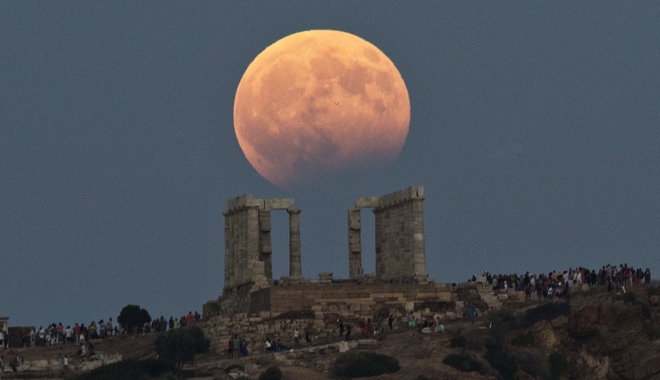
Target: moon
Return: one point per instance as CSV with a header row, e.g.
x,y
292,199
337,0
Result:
x,y
318,102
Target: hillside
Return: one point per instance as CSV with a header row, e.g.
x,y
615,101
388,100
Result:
x,y
595,335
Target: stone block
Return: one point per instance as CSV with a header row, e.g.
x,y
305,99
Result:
x,y
342,346
409,306
251,367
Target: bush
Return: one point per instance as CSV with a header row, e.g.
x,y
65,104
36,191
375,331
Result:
x,y
126,370
457,342
651,332
179,346
548,312
462,362
557,365
523,340
502,362
501,324
363,364
627,298
133,316
646,311
533,362
271,373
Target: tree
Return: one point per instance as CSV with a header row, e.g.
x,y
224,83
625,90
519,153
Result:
x,y
179,346
133,316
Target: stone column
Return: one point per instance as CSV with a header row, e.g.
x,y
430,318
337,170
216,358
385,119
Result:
x,y
229,251
354,244
295,262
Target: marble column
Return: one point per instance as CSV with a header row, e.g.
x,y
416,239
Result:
x,y
295,262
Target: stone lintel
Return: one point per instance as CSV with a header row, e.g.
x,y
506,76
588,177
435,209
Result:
x,y
278,204
367,202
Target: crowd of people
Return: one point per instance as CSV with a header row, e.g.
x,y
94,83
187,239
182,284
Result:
x,y
559,284
58,334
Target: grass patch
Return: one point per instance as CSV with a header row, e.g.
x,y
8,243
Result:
x,y
363,364
127,370
463,362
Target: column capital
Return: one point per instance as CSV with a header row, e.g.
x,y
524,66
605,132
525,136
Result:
x,y
293,211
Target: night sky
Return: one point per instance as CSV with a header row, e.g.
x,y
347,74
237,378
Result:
x,y
535,130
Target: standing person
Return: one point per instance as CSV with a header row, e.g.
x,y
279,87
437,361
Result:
x,y
190,318
411,323
341,328
307,340
237,346
296,337
171,322
230,347
68,334
348,332
60,333
390,322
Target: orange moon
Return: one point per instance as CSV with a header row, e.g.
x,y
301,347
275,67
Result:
x,y
318,102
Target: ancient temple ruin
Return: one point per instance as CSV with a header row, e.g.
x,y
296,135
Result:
x,y
249,285
248,247
400,249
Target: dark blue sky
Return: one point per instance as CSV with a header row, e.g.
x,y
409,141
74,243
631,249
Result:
x,y
535,129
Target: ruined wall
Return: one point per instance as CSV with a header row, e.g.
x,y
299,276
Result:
x,y
248,248
400,247
276,311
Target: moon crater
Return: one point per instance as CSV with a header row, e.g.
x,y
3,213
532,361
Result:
x,y
320,101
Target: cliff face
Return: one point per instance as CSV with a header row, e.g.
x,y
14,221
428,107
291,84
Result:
x,y
606,336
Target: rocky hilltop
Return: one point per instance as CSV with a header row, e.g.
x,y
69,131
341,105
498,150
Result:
x,y
593,335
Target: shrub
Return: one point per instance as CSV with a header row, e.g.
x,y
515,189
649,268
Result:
x,y
179,346
548,311
523,340
557,365
271,373
126,370
533,362
502,362
457,342
646,311
501,324
627,297
651,332
362,364
133,316
462,362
